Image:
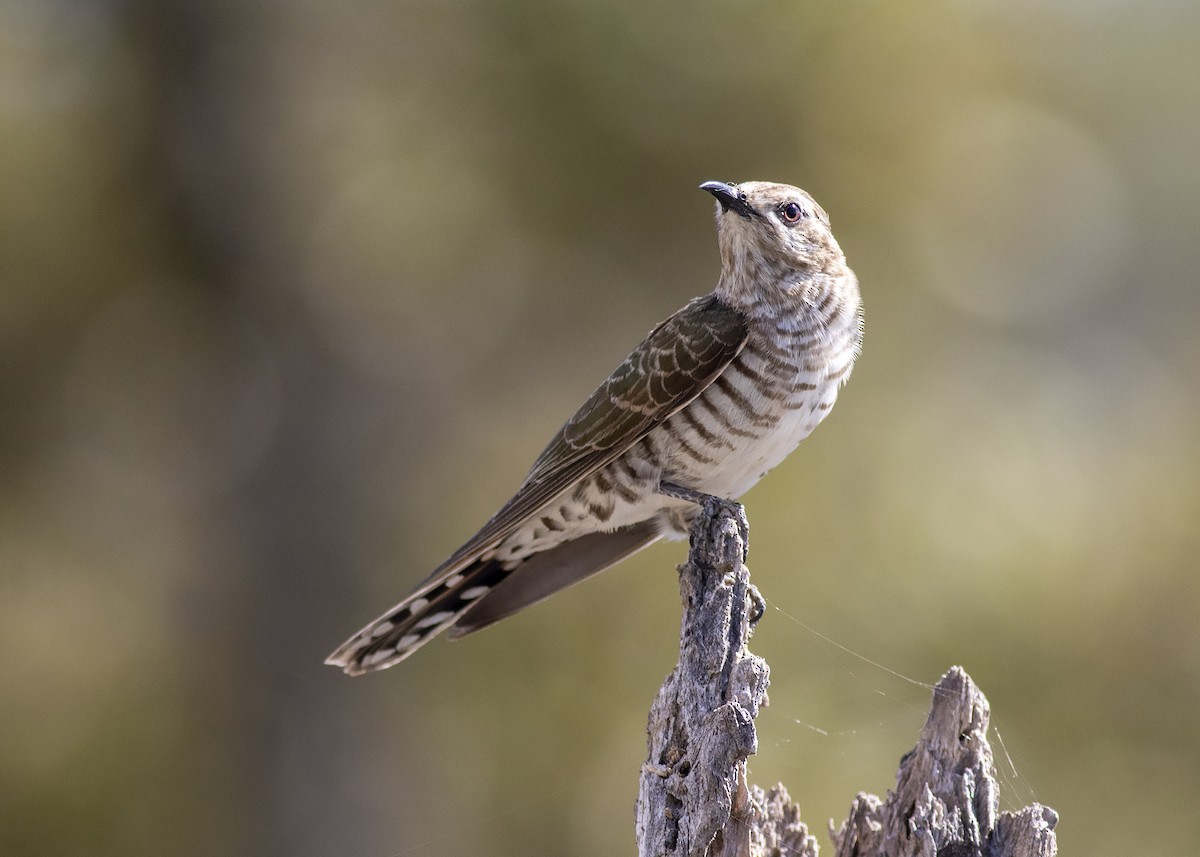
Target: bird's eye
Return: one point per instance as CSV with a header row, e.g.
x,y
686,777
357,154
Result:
x,y
791,212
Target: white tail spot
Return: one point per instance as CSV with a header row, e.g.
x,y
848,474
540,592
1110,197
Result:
x,y
452,581
434,619
417,605
407,642
473,593
375,657
382,628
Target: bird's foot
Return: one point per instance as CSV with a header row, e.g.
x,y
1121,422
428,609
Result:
x,y
712,505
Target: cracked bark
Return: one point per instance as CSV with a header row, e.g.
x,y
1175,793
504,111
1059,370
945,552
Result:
x,y
693,797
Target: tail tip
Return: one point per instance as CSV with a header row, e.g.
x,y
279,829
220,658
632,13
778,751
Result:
x,y
344,661
358,656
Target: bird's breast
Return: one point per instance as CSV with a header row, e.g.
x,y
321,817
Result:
x,y
753,415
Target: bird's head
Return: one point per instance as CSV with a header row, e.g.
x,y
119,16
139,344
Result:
x,y
771,236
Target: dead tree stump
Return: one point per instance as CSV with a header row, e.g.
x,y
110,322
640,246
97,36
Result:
x,y
693,798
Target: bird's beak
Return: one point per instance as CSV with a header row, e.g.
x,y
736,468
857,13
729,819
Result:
x,y
731,198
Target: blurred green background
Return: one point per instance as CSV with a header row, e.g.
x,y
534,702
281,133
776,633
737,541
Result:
x,y
291,295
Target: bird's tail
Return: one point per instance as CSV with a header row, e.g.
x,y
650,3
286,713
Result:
x,y
483,592
417,619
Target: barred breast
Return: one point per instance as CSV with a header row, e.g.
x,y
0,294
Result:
x,y
771,397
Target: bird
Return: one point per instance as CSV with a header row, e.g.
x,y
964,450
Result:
x,y
714,397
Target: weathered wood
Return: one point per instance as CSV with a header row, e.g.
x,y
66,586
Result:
x,y
693,798
946,796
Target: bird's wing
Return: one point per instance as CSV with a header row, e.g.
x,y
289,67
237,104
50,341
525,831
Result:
x,y
673,365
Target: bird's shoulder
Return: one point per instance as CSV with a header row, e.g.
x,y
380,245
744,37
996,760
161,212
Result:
x,y
672,365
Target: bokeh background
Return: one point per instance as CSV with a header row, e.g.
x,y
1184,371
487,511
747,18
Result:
x,y
291,294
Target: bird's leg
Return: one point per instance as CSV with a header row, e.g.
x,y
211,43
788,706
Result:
x,y
670,489
711,503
